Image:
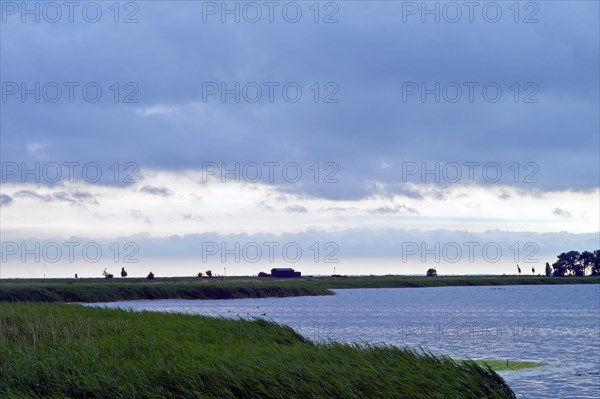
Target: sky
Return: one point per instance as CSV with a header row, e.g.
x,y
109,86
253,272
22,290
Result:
x,y
348,137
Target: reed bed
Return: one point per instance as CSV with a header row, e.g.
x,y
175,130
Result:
x,y
61,350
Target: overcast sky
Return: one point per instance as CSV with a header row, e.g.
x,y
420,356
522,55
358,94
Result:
x,y
371,125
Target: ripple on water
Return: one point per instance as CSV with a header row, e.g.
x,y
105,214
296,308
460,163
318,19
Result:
x,y
555,325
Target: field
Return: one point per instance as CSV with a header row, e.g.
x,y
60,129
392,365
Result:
x,y
61,350
103,290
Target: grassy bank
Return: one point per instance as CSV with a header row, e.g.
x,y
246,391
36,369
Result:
x,y
450,281
58,350
102,290
115,290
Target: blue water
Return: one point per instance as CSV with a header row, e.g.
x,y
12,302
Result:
x,y
556,325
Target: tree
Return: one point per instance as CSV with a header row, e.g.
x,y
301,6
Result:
x,y
123,272
575,263
209,273
150,276
596,263
548,269
590,260
200,274
431,272
561,266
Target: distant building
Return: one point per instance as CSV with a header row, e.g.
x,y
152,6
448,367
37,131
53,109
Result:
x,y
284,272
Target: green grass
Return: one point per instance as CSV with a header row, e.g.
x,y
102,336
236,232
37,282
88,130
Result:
x,y
500,365
392,281
101,290
59,350
98,290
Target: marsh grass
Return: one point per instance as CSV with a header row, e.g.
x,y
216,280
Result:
x,y
393,281
101,290
106,291
60,350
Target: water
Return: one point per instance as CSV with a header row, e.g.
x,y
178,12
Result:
x,y
556,325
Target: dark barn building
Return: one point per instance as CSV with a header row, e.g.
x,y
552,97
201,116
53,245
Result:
x,y
284,272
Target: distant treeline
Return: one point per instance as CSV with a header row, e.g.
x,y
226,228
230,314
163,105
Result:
x,y
575,263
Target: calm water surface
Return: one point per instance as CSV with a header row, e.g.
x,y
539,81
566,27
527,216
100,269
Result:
x,y
556,325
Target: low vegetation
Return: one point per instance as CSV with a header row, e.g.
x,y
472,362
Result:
x,y
60,350
449,281
503,365
115,289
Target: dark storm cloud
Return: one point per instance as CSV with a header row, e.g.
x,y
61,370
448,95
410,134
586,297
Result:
x,y
368,55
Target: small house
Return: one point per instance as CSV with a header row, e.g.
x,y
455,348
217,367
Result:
x,y
284,272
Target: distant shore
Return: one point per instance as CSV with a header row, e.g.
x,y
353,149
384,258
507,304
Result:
x,y
121,289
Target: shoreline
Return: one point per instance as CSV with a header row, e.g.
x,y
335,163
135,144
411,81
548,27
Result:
x,y
274,354
122,289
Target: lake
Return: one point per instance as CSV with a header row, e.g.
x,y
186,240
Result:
x,y
556,325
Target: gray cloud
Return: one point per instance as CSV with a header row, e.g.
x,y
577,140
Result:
x,y
339,209
5,200
504,195
192,217
265,205
78,197
160,191
398,209
138,215
33,195
62,196
561,212
370,124
83,195
296,209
